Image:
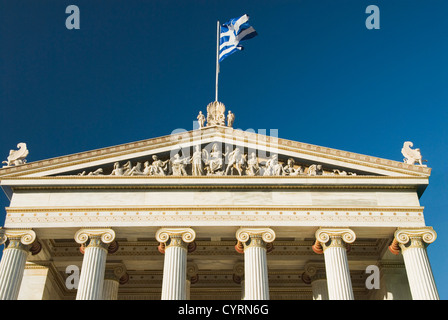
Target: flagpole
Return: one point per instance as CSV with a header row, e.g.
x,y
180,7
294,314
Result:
x,y
217,59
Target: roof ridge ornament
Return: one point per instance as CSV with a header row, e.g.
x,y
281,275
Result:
x,y
216,116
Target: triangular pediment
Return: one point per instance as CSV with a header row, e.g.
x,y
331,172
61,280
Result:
x,y
172,155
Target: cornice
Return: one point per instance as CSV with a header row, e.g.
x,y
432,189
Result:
x,y
216,133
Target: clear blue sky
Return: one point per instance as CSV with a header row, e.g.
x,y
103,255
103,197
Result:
x,y
140,69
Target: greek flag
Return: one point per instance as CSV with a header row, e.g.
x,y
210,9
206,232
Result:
x,y
232,33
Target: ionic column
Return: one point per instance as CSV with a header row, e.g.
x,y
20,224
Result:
x,y
115,275
413,242
332,242
18,243
174,243
238,274
93,267
315,275
255,241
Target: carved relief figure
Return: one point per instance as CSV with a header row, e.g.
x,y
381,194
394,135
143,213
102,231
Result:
x,y
253,168
17,157
411,156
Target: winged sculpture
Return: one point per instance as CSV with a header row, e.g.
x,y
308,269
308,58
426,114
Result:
x,y
411,156
17,157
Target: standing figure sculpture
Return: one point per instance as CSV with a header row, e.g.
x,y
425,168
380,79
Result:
x,y
17,157
230,119
196,162
253,168
237,160
201,120
273,168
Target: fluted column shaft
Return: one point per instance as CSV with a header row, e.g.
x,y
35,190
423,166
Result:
x,y
110,289
174,272
256,284
175,263
92,271
320,289
333,243
256,271
93,267
12,265
418,269
338,274
12,268
115,275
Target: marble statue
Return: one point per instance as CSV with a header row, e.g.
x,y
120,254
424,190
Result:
x,y
201,120
179,164
289,169
97,172
136,170
230,119
214,160
118,170
17,157
315,170
411,156
253,168
158,167
196,162
273,168
237,160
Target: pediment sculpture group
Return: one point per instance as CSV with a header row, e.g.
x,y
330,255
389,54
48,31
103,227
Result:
x,y
216,163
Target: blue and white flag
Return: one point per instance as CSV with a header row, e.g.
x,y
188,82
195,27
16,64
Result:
x,y
232,33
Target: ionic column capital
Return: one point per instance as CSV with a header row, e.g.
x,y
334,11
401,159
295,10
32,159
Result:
x,y
313,271
333,237
255,237
23,239
179,237
406,238
96,237
106,235
192,272
25,236
117,272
